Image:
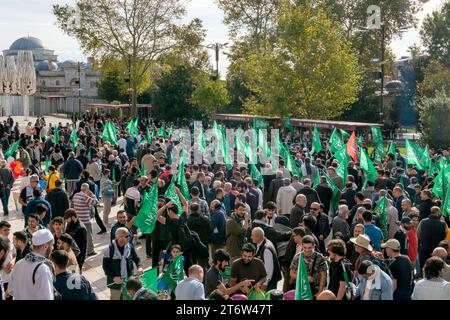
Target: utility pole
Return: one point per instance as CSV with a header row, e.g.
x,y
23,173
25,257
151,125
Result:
x,y
216,47
382,71
79,87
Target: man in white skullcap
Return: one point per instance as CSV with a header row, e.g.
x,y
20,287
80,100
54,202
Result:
x,y
32,277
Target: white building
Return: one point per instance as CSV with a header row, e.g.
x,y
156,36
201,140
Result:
x,y
58,86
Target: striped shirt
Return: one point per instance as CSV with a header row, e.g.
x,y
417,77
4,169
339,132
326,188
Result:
x,y
82,204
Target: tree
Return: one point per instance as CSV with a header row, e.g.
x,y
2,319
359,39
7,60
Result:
x,y
436,78
136,32
209,95
172,93
435,117
311,72
251,19
435,35
112,86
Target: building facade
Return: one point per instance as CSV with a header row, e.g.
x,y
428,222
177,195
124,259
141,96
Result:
x,y
61,87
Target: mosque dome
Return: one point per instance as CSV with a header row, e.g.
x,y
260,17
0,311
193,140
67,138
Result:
x,y
27,43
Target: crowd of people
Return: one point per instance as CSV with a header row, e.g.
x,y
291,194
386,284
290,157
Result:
x,y
235,236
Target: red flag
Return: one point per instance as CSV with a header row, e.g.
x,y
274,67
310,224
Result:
x,y
352,148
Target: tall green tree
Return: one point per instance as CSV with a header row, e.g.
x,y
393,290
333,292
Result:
x,y
435,34
312,72
434,120
209,96
136,32
172,92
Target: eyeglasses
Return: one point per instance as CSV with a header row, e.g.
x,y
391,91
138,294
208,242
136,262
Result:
x,y
126,237
315,209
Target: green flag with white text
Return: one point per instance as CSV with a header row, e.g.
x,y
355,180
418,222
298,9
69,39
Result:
x,y
146,218
302,287
381,211
317,144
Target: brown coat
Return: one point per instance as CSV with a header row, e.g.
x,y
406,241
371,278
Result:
x,y
235,235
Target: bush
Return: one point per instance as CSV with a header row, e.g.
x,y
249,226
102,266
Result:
x,y
434,120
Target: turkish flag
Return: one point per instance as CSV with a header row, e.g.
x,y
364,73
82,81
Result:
x,y
352,148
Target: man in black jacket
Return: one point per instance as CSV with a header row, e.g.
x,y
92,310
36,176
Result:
x,y
202,225
310,194
325,193
275,185
323,224
58,199
71,286
298,211
115,271
430,232
76,229
275,236
72,170
7,179
426,204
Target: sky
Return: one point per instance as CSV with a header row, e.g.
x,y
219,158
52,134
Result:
x,y
20,18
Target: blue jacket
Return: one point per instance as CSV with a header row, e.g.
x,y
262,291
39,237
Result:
x,y
385,292
218,221
73,286
31,208
72,169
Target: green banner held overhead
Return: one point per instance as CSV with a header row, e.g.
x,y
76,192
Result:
x,y
413,155
146,218
367,165
317,144
172,195
110,134
381,211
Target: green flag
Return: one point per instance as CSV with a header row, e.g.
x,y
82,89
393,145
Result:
x,y
162,132
316,179
47,164
335,194
413,155
132,127
143,170
381,211
392,150
445,207
255,174
146,218
377,137
56,134
342,171
302,287
288,124
171,130
367,166
149,279
342,154
110,134
73,138
344,134
174,273
89,154
441,181
181,179
125,294
335,142
172,195
379,153
11,152
259,124
317,144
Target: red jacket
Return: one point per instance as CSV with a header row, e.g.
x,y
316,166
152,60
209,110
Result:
x,y
413,244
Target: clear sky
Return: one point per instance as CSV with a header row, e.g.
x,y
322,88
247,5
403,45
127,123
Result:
x,y
20,18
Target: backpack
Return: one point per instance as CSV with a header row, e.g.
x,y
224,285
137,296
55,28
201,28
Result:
x,y
2,189
190,242
56,294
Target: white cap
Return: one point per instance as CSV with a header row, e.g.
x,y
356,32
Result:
x,y
42,236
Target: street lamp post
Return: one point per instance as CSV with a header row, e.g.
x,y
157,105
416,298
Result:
x,y
216,47
79,87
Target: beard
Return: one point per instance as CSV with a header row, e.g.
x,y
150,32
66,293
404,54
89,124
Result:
x,y
246,262
48,251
